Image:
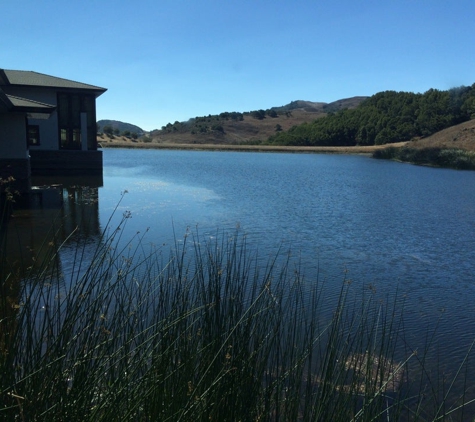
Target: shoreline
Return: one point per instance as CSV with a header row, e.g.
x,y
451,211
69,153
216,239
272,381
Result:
x,y
365,150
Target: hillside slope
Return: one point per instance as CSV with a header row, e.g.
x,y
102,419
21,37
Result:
x,y
453,147
461,136
120,126
247,128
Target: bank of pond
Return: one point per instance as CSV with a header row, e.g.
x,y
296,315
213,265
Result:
x,y
439,157
443,157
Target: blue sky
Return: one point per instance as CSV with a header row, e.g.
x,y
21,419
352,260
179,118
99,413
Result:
x,y
167,60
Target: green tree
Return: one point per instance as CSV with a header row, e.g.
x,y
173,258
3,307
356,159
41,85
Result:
x,y
108,130
258,114
217,128
386,117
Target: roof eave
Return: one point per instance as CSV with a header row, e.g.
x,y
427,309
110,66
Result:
x,y
25,105
30,79
100,92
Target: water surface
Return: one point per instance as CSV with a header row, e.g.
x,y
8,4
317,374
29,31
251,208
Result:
x,y
391,225
399,232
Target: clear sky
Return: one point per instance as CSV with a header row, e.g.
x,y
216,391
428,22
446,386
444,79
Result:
x,y
168,60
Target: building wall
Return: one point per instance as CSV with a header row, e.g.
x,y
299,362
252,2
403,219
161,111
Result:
x,y
65,162
46,158
14,160
13,136
49,127
48,132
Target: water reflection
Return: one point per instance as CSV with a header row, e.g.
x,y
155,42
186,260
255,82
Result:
x,y
48,215
53,214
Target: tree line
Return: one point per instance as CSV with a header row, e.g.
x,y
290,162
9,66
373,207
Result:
x,y
213,123
386,117
110,131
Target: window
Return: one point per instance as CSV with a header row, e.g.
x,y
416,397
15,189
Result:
x,y
70,107
33,135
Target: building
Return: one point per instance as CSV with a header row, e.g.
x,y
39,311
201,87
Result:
x,y
47,126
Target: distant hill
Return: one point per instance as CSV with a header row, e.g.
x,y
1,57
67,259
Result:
x,y
385,118
346,103
430,128
235,128
310,106
121,126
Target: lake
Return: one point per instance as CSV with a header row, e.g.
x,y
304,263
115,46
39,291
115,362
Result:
x,y
388,227
391,225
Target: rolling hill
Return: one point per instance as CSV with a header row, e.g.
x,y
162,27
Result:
x,y
452,146
120,126
249,127
461,136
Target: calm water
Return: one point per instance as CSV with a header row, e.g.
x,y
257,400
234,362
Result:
x,y
396,227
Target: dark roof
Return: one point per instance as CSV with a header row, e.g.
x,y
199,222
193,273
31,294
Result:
x,y
23,104
13,103
5,103
29,78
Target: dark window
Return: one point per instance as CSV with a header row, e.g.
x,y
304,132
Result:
x,y
33,135
70,107
89,106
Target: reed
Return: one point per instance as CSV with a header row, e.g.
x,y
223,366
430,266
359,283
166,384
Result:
x,y
203,333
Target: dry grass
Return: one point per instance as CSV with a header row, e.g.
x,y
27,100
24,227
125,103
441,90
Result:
x,y
250,130
123,143
460,136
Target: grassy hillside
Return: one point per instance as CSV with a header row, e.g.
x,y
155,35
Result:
x,y
254,127
453,147
120,126
388,117
461,136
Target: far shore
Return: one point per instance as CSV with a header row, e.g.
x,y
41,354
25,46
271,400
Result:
x,y
256,148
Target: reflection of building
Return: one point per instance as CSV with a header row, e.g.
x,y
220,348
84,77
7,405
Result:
x,y
47,125
43,235
46,218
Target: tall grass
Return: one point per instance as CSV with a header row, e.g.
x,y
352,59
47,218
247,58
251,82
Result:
x,y
205,333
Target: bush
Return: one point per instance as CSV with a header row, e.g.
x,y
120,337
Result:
x,y
217,128
440,157
108,130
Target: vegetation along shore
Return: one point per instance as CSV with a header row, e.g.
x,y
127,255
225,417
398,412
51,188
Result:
x,y
204,333
433,128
